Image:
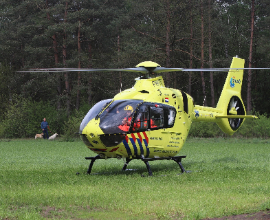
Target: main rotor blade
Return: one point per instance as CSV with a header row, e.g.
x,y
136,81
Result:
x,y
140,70
207,70
137,69
164,69
221,69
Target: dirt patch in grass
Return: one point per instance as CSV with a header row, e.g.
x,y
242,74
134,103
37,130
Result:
x,y
80,213
263,215
51,212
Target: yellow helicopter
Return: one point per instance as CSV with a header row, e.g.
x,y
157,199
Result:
x,y
151,122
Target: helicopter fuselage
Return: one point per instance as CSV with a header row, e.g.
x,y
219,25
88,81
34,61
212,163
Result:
x,y
158,125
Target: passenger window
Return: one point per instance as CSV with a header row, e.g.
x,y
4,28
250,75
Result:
x,y
171,117
153,116
157,117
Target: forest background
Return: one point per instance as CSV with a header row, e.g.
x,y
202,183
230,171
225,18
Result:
x,y
120,34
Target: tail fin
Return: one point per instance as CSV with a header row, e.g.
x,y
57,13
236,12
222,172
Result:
x,y
230,112
230,101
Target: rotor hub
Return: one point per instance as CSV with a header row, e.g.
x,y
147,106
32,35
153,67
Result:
x,y
148,64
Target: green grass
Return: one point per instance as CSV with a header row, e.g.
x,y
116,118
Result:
x,y
38,181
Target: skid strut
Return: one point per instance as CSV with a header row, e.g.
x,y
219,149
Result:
x,y
93,159
177,159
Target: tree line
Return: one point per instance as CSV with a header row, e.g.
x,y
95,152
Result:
x,y
120,34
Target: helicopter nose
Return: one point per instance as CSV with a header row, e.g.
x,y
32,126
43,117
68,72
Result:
x,y
86,141
83,125
91,129
93,133
90,134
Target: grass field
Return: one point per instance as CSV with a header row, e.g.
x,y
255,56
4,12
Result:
x,y
38,181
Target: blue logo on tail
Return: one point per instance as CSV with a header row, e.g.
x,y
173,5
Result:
x,y
233,81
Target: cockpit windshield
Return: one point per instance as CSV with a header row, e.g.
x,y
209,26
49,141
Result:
x,y
118,116
93,112
130,116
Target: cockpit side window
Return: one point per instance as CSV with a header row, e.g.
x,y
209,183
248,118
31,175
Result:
x,y
118,116
141,120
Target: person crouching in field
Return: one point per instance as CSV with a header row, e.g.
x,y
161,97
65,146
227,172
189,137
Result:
x,y
45,127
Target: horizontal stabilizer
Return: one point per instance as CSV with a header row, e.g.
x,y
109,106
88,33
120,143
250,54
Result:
x,y
237,116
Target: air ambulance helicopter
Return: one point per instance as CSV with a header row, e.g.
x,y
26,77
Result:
x,y
150,121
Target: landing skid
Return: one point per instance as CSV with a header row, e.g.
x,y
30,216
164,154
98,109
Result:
x,y
177,159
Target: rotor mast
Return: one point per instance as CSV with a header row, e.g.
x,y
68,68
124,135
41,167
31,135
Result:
x,y
150,66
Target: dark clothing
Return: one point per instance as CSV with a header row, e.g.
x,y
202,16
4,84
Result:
x,y
44,126
45,133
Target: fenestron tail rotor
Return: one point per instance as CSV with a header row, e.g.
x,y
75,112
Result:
x,y
235,107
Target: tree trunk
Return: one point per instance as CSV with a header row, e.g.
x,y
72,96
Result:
x,y
249,104
56,61
118,49
48,15
79,66
202,53
167,43
191,47
210,53
64,63
90,96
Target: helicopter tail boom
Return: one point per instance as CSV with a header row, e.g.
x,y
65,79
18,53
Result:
x,y
230,111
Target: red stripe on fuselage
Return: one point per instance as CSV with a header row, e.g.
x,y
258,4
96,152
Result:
x,y
133,137
114,149
146,138
126,138
140,137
